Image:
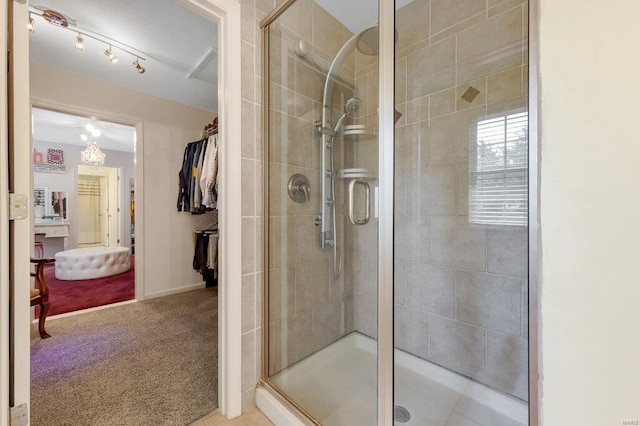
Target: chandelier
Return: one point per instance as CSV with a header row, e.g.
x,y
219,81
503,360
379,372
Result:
x,y
92,156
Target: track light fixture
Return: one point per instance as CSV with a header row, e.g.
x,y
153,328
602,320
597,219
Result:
x,y
58,20
112,58
79,42
139,67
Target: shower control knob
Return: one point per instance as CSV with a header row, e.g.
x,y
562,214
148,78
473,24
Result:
x,y
299,188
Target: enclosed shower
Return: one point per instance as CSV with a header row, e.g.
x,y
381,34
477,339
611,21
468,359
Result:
x,y
456,105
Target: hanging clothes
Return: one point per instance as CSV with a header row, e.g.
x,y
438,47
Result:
x,y
197,193
212,257
209,176
184,177
194,195
197,178
201,257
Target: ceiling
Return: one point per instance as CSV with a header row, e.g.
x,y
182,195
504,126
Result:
x,y
355,15
171,38
57,127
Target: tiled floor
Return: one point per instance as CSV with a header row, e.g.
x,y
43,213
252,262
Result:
x,y
338,387
251,418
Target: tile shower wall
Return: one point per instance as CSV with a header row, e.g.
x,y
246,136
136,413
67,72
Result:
x,y
308,308
460,288
252,11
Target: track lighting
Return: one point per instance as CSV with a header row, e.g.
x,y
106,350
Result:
x,y
112,58
79,42
57,19
139,67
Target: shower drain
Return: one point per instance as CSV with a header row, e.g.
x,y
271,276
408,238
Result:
x,y
401,414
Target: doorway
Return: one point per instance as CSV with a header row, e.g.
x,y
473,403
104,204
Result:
x,y
99,211
94,204
162,125
227,13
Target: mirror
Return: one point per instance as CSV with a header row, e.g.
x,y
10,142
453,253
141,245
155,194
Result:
x,y
50,205
57,205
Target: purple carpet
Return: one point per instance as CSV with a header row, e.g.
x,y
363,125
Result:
x,y
69,296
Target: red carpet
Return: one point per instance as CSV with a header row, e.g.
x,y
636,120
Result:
x,y
69,296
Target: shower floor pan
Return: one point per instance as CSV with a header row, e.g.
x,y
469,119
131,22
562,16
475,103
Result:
x,y
337,385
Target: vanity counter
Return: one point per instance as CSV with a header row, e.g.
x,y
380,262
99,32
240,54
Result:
x,y
55,230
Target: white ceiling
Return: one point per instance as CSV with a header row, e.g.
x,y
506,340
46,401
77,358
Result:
x,y
52,126
170,37
355,15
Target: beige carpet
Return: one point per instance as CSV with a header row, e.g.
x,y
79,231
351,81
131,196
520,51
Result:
x,y
146,363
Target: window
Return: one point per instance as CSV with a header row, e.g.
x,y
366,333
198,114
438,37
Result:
x,y
498,172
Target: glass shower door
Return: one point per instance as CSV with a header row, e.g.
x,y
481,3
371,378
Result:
x,y
322,159
396,165
460,258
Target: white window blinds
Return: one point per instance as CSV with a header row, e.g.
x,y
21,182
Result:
x,y
498,172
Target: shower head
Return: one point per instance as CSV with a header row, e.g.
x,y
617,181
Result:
x,y
349,108
352,105
367,42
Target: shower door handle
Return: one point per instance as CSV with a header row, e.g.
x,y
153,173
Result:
x,y
352,196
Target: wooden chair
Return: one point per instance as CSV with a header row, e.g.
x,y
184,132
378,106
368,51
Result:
x,y
40,294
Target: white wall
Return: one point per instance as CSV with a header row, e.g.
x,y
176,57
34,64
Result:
x,y
167,128
590,211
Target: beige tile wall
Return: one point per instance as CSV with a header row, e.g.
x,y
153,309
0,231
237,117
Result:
x,y
460,289
252,12
308,308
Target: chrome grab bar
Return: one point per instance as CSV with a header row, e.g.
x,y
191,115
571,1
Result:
x,y
367,191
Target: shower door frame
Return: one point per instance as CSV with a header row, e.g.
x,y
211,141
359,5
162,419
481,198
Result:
x,y
385,203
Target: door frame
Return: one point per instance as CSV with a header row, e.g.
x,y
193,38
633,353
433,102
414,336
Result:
x,y
20,173
226,13
4,226
114,195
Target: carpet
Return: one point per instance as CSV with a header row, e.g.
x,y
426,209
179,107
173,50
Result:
x,y
147,363
74,295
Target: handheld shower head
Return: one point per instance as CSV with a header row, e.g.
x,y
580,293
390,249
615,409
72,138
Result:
x,y
352,105
349,108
